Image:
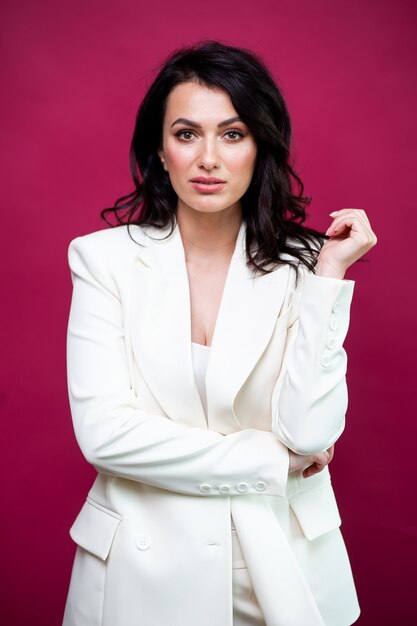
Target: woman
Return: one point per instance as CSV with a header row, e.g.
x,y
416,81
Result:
x,y
206,372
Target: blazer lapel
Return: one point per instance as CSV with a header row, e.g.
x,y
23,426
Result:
x,y
161,332
245,323
161,326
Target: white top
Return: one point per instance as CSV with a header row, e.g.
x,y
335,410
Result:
x,y
200,361
201,354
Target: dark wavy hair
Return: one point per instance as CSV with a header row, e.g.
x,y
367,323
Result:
x,y
273,211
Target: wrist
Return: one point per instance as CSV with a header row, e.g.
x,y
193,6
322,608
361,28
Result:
x,y
329,271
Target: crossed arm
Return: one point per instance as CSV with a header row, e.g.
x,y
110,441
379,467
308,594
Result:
x,y
118,437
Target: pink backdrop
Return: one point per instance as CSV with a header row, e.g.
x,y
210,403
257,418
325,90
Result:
x,y
72,79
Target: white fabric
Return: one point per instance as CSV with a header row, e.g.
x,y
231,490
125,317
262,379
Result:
x,y
166,483
246,609
201,356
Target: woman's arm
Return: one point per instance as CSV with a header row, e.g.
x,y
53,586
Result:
x,y
310,397
118,437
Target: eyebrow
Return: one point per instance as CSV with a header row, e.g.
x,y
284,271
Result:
x,y
183,120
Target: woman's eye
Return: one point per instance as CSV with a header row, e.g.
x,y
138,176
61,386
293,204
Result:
x,y
236,133
185,135
183,132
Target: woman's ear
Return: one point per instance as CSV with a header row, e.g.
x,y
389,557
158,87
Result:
x,y
161,156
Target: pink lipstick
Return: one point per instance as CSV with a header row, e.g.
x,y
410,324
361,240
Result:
x,y
207,184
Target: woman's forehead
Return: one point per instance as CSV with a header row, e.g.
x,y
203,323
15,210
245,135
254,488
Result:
x,y
199,103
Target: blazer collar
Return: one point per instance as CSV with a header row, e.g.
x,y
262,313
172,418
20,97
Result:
x,y
161,329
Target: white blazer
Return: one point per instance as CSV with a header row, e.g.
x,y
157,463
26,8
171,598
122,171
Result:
x,y
154,539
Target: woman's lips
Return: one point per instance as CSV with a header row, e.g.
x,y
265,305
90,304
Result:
x,y
207,187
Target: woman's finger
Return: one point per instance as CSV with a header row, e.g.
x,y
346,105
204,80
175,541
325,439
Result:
x,y
354,220
353,227
321,460
360,213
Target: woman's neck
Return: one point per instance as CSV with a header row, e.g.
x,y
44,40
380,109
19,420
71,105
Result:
x,y
208,234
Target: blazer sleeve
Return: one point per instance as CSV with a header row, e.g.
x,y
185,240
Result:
x,y
116,435
310,397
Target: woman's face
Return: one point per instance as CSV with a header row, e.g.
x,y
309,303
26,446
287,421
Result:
x,y
203,137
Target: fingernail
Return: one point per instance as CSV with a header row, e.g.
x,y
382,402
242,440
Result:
x,y
333,212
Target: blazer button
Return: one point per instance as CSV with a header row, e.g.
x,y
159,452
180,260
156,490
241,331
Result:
x,y
224,489
143,542
205,487
260,485
242,487
333,323
326,361
331,343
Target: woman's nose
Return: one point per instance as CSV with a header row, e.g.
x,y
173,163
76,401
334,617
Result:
x,y
209,156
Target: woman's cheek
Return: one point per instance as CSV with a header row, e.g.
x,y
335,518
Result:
x,y
179,156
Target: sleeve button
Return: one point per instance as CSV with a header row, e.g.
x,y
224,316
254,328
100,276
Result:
x,y
224,489
331,343
205,487
333,324
260,486
242,487
326,361
336,307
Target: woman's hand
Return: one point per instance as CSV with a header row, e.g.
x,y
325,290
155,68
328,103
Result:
x,y
313,463
351,236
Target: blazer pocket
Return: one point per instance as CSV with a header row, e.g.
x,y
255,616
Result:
x,y
95,527
316,510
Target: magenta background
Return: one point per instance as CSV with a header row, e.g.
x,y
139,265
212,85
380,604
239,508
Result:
x,y
72,78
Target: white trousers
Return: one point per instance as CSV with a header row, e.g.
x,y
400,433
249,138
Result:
x,y
246,610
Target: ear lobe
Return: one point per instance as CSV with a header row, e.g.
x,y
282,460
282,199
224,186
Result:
x,y
160,153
